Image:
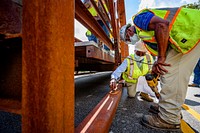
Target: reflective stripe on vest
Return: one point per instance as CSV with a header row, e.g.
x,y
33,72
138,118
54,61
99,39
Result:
x,y
149,61
133,71
184,25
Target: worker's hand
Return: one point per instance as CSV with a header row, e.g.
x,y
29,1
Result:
x,y
113,84
158,66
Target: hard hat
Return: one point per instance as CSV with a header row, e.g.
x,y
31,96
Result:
x,y
139,46
123,31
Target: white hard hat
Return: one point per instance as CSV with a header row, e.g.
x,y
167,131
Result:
x,y
122,32
139,46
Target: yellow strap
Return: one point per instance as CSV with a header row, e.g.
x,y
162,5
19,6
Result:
x,y
148,61
131,68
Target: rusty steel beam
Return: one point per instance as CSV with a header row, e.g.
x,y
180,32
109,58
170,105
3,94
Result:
x,y
118,57
120,22
117,28
112,14
106,13
121,12
124,50
113,20
48,66
92,51
10,17
106,2
100,15
100,118
115,34
117,54
85,18
10,105
9,36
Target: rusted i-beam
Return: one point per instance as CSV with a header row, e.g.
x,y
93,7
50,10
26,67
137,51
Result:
x,y
122,21
105,11
112,14
100,15
48,66
121,12
100,118
85,18
113,20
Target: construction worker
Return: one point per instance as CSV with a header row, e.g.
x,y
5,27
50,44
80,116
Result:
x,y
196,80
91,9
134,66
173,35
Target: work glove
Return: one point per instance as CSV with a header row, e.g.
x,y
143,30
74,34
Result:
x,y
113,84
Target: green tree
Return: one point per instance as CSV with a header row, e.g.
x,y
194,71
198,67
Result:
x,y
195,5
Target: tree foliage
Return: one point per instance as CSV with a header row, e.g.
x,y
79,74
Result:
x,y
195,5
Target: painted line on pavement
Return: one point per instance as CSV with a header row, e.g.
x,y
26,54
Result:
x,y
192,112
185,128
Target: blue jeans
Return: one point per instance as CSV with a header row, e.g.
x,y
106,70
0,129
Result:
x,y
197,73
92,38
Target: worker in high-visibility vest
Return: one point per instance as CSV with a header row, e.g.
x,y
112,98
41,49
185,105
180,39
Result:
x,y
91,9
196,80
173,35
134,66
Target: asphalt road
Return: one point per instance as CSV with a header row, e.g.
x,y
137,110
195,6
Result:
x,y
130,110
90,89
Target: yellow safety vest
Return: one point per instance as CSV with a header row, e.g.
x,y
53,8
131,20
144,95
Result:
x,y
133,72
183,30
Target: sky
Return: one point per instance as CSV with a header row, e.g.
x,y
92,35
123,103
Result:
x,y
131,8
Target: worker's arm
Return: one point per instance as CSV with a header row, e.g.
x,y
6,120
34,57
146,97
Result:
x,y
115,76
161,28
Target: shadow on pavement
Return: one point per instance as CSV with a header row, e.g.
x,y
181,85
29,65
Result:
x,y
191,102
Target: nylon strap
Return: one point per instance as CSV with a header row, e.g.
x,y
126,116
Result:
x,y
148,61
131,68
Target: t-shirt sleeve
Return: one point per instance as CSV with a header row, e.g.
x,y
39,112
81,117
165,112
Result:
x,y
142,20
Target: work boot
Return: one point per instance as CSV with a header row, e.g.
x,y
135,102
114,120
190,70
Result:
x,y
155,122
155,110
197,95
193,85
146,97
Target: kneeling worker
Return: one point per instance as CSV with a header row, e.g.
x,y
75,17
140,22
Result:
x,y
134,66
